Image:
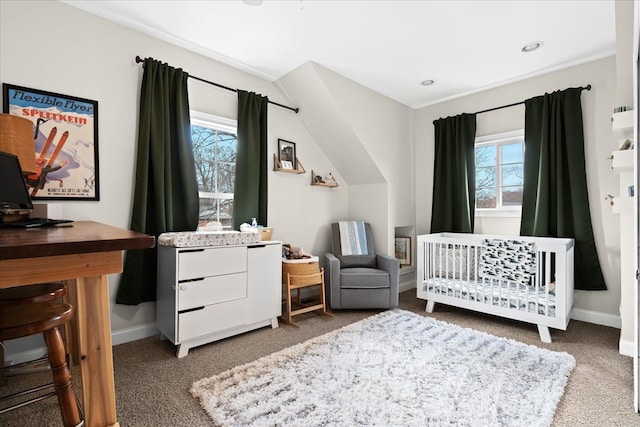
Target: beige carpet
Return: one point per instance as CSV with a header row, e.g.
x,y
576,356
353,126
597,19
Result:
x,y
153,386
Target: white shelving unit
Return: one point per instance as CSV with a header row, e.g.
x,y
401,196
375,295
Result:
x,y
622,164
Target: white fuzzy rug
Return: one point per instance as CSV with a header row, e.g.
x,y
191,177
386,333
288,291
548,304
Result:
x,y
394,368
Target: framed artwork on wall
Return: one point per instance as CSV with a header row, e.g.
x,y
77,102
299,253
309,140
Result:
x,y
287,154
66,141
403,250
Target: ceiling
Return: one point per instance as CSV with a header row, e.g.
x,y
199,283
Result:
x,y
387,46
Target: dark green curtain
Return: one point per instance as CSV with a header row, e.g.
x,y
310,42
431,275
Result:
x,y
454,175
555,200
166,189
250,192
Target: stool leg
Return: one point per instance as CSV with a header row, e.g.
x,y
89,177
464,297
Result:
x,y
2,380
61,378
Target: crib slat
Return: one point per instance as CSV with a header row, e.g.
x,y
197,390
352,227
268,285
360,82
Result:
x,y
547,282
536,280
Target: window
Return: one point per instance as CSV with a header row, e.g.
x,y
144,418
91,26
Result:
x,y
499,172
214,152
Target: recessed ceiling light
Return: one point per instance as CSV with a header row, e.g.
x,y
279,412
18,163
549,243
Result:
x,y
252,2
530,47
427,82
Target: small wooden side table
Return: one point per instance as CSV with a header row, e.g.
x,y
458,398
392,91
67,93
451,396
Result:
x,y
302,273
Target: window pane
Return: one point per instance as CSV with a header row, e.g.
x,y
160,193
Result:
x,y
214,153
512,174
512,153
512,196
486,198
486,177
486,156
226,177
208,211
226,212
227,148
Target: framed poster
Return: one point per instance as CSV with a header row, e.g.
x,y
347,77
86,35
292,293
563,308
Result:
x,y
403,250
287,154
66,140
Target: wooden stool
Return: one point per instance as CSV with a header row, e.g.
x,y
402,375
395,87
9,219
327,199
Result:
x,y
298,281
30,294
21,320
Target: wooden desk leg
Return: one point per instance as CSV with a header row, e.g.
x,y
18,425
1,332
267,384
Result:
x,y
71,332
96,356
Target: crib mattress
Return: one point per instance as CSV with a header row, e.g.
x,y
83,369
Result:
x,y
508,295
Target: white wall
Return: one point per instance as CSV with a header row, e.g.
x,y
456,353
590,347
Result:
x,y
597,107
51,46
384,127
369,137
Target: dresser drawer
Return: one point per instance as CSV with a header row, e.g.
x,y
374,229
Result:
x,y
212,290
211,319
193,264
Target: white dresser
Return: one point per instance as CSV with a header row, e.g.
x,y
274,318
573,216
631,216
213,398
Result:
x,y
206,293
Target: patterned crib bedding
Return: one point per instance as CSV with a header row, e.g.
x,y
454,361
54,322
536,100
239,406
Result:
x,y
508,295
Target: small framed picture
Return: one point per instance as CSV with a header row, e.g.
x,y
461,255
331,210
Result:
x,y
287,153
403,250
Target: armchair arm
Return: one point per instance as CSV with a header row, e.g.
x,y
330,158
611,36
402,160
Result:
x,y
332,280
392,266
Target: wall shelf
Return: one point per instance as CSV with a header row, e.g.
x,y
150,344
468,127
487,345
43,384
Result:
x,y
314,181
622,161
622,121
277,167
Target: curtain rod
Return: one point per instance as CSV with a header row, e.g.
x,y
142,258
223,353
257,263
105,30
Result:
x,y
295,110
588,87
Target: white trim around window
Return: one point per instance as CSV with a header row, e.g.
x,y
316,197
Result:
x,y
500,139
210,121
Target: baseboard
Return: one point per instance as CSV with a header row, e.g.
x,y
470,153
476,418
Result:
x,y
405,286
626,348
596,317
135,333
11,359
120,336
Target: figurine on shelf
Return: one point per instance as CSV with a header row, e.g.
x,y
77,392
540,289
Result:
x,y
328,178
319,179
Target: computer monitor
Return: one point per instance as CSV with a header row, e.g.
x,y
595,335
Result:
x,y
14,197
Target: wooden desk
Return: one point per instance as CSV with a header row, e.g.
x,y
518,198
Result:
x,y
83,255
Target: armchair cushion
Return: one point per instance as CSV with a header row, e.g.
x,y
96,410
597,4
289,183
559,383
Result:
x,y
363,278
350,261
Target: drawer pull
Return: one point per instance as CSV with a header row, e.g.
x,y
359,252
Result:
x,y
197,279
257,246
184,251
191,309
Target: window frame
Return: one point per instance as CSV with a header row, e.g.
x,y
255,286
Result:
x,y
200,119
498,140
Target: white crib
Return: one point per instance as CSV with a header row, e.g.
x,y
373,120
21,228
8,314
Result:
x,y
452,269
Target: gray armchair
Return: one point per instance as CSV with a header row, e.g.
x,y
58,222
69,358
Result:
x,y
360,281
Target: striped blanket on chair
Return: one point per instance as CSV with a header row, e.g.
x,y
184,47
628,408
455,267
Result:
x,y
353,239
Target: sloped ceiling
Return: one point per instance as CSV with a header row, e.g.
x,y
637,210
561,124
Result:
x,y
324,119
